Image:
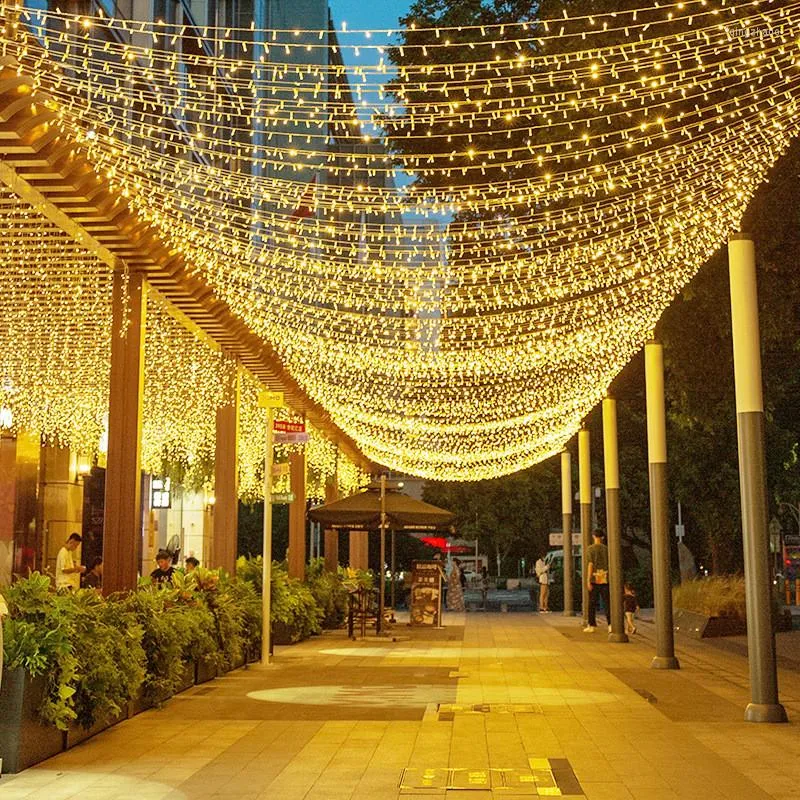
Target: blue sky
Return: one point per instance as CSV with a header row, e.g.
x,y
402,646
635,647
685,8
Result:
x,y
368,14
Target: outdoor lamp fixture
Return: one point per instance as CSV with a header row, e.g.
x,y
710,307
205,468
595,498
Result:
x,y
6,418
83,467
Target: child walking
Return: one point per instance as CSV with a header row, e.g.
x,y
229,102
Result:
x,y
630,606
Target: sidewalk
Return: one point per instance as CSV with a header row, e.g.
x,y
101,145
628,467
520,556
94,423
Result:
x,y
493,705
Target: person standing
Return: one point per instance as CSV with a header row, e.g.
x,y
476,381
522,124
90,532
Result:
x,y
484,587
68,570
455,594
543,575
597,580
162,576
631,607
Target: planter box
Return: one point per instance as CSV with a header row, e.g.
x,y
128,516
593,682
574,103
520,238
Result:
x,y
138,704
699,626
24,740
239,661
205,671
77,733
189,670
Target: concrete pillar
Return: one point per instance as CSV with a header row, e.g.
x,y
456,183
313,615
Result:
x,y
611,472
20,526
659,524
61,503
585,497
764,705
566,526
122,524
297,516
226,481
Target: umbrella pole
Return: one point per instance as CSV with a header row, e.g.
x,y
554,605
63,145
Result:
x,y
381,571
394,572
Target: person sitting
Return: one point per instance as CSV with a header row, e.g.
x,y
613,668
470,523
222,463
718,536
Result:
x,y
191,564
162,576
93,579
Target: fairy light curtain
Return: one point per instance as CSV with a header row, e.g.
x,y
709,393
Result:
x,y
584,168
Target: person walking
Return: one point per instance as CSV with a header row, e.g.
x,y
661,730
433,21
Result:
x,y
597,580
631,607
455,594
542,570
68,570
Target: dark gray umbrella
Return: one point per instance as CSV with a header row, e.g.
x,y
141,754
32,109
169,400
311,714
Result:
x,y
362,511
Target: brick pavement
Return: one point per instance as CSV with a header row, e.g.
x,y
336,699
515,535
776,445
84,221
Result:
x,y
495,705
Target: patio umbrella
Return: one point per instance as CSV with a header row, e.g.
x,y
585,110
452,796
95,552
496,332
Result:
x,y
362,511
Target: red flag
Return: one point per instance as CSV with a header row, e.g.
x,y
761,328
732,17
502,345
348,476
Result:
x,y
306,207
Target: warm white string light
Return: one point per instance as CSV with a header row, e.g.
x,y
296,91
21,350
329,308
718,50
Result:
x,y
585,167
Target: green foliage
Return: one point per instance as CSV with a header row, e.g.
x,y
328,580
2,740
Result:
x,y
106,641
294,605
329,593
88,649
165,632
712,597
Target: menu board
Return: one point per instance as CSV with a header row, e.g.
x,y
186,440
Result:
x,y
426,593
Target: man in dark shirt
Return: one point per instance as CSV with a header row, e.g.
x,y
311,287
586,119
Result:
x,y
163,575
597,580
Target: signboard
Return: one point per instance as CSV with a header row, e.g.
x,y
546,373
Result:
x,y
290,438
557,540
285,426
280,470
426,593
270,399
282,498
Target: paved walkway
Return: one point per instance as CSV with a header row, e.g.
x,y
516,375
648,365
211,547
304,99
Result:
x,y
494,705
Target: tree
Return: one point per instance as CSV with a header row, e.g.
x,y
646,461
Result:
x,y
511,516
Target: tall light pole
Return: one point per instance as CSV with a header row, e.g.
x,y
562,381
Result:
x,y
270,401
764,705
585,489
382,595
659,524
566,526
611,474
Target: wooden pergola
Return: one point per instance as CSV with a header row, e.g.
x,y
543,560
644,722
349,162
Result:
x,y
43,166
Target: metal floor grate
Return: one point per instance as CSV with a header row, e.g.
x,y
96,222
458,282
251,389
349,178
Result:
x,y
446,712
545,777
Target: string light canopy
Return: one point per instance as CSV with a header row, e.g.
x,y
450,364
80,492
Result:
x,y
55,342
560,180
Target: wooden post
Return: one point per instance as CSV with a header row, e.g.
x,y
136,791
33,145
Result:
x,y
122,518
226,481
297,516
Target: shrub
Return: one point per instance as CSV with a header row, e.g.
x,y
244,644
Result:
x,y
294,605
165,638
329,593
88,648
712,597
36,637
